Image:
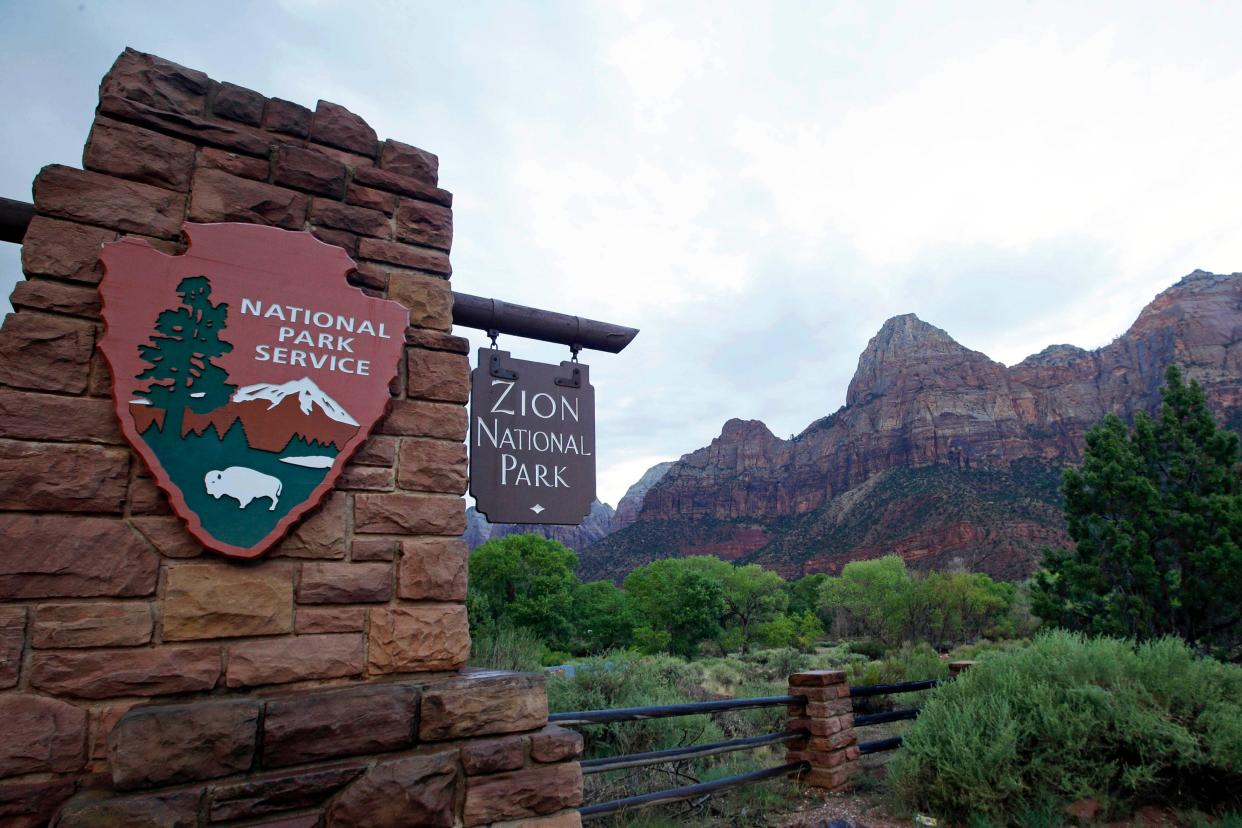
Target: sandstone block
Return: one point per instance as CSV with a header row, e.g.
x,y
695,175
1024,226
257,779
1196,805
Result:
x,y
33,804
64,249
350,159
218,196
145,498
834,779
106,674
396,514
103,719
62,477
222,600
374,549
432,466
403,185
284,792
415,418
41,735
359,220
237,103
93,198
156,82
322,535
555,744
344,583
817,678
117,148
418,638
370,198
565,819
483,704
176,809
166,744
437,375
346,241
46,353
493,755
56,297
425,223
411,162
305,169
232,163
310,620
107,624
12,644
433,569
369,276
429,299
287,117
45,556
437,341
415,790
834,741
350,722
822,694
419,258
167,534
524,793
378,450
194,128
301,658
836,707
336,126
367,478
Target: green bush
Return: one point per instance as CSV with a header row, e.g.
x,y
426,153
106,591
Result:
x,y
501,647
1028,731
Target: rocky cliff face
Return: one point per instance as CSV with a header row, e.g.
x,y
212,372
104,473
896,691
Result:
x,y
631,502
920,400
596,525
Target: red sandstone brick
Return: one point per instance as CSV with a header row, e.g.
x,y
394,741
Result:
x,y
145,498
336,126
287,117
218,196
301,658
369,276
438,376
358,220
193,128
236,103
432,466
62,477
411,162
350,722
310,620
392,514
428,298
370,198
303,169
350,159
414,418
378,450
525,793
26,415
93,198
374,549
817,678
418,638
322,535
344,583
12,645
158,745
232,163
346,241
402,185
424,223
366,478
419,258
493,755
56,297
33,804
41,735
166,533
109,624
54,556
433,569
106,674
46,353
138,154
555,744
437,341
483,704
156,82
62,248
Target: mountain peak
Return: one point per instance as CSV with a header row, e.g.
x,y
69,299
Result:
x,y
903,343
308,395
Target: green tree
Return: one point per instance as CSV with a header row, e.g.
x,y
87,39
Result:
x,y
525,581
603,619
870,599
180,353
679,602
804,593
753,596
1156,516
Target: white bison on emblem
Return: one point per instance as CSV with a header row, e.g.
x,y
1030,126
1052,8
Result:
x,y
243,485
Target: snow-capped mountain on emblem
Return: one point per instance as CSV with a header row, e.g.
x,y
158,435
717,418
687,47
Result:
x,y
309,396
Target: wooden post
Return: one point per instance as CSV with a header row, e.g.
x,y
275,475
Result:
x,y
828,715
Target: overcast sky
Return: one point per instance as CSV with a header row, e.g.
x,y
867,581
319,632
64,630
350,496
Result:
x,y
757,189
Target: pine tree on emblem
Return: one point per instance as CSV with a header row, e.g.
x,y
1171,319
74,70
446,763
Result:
x,y
180,353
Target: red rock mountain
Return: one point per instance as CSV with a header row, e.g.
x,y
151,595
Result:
x,y
940,453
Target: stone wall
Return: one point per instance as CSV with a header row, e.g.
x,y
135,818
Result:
x,y
149,683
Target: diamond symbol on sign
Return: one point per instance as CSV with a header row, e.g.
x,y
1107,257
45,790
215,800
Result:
x,y
536,508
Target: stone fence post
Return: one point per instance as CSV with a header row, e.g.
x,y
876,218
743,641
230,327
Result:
x,y
956,668
832,747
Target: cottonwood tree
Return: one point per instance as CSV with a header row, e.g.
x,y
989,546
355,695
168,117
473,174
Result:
x,y
1156,516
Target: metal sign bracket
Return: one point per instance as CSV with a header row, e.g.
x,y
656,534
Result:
x,y
498,372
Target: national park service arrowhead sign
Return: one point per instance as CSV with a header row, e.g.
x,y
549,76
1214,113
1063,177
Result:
x,y
245,372
532,440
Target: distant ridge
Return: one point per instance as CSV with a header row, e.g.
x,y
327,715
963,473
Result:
x,y
940,453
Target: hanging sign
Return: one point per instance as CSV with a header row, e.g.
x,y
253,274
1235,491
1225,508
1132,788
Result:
x,y
532,440
245,372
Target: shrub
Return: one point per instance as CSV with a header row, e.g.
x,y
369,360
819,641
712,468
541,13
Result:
x,y
501,647
1028,731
